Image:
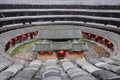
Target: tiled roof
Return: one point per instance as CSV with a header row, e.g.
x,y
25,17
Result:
x,y
62,2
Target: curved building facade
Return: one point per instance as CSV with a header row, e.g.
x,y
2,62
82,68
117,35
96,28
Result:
x,y
57,52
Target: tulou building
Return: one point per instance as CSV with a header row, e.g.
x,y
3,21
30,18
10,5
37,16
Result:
x,y
59,40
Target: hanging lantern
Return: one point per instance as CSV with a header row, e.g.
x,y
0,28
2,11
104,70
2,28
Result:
x,y
16,39
41,52
35,33
28,34
62,52
83,34
89,35
80,52
10,41
96,37
109,42
23,35
50,53
103,39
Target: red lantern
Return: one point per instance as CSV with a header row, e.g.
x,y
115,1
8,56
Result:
x,y
35,33
10,41
28,34
96,37
50,53
103,39
41,52
23,36
80,52
83,34
89,34
15,39
71,52
62,52
109,42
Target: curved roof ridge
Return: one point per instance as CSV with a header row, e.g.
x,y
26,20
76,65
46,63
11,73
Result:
x,y
62,2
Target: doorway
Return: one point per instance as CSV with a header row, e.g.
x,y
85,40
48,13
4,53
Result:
x,y
60,54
